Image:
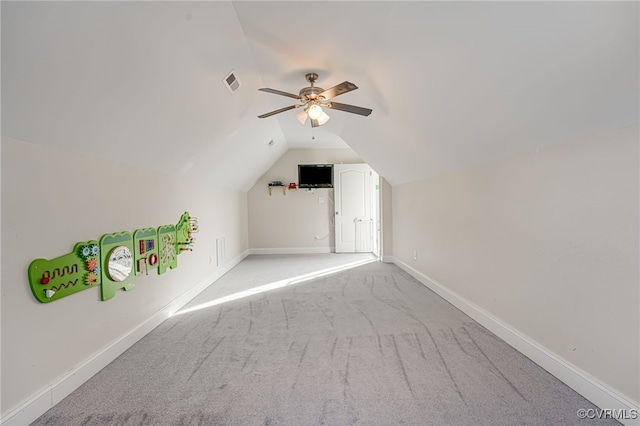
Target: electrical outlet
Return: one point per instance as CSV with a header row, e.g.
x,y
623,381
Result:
x,y
321,200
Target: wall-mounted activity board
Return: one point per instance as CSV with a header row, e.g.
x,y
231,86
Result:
x,y
145,246
113,262
116,258
167,248
65,275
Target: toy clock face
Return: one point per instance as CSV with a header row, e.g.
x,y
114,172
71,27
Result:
x,y
120,263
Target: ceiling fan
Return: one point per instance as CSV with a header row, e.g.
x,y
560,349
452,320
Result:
x,y
314,98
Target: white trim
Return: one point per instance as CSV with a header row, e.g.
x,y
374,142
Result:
x,y
577,379
293,250
63,386
388,259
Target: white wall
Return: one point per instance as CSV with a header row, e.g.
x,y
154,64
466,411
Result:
x,y
292,222
547,243
52,199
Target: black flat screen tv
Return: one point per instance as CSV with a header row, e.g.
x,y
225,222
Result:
x,y
315,175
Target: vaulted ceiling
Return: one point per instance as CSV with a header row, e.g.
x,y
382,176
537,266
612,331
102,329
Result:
x,y
451,84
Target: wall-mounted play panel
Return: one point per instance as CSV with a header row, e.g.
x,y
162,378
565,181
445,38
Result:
x,y
145,246
113,262
186,227
182,232
65,275
116,258
167,248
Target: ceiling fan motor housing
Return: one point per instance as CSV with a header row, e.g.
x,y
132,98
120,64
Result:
x,y
311,93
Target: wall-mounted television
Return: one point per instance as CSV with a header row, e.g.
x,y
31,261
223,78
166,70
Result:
x,y
315,175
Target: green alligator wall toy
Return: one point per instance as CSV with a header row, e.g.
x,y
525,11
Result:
x,y
113,262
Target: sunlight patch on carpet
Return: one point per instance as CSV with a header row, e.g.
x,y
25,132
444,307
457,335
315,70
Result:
x,y
275,285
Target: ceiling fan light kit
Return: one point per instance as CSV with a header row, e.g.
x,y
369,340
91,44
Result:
x,y
314,112
314,98
323,118
302,116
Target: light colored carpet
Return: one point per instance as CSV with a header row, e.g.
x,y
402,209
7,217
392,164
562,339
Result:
x,y
257,273
369,345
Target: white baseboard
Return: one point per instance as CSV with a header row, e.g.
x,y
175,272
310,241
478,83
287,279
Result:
x,y
572,376
388,259
63,386
293,250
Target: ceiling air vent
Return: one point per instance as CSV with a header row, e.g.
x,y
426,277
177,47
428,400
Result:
x,y
232,82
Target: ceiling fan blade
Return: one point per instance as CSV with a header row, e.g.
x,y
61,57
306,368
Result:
x,y
278,111
279,92
314,123
341,88
349,108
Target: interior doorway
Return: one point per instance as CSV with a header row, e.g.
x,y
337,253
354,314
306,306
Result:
x,y
357,209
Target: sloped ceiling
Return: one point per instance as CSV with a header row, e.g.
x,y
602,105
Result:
x,y
450,83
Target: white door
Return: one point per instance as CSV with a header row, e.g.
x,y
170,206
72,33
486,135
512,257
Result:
x,y
354,210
